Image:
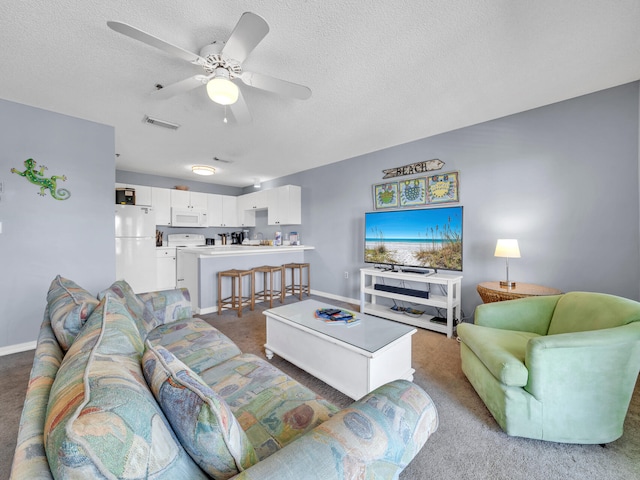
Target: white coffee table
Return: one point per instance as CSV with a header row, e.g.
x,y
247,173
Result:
x,y
352,359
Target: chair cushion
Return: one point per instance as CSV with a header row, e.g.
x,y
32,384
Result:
x,y
585,311
272,408
501,351
102,420
194,342
69,307
202,421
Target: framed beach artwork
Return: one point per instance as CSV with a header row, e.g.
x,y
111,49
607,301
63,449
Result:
x,y
385,195
412,192
442,188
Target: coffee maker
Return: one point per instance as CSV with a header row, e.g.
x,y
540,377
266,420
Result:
x,y
236,238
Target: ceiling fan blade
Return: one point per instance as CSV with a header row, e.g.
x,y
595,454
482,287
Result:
x,y
240,110
247,34
182,86
149,39
272,84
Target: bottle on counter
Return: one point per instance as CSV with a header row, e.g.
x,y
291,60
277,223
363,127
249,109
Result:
x,y
278,240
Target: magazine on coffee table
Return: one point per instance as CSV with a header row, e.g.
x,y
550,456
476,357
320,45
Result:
x,y
335,316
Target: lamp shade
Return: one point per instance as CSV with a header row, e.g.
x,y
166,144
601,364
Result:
x,y
203,169
222,91
507,248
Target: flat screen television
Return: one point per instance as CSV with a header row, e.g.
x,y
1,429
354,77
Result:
x,y
424,238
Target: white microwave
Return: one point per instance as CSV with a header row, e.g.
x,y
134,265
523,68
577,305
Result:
x,y
188,217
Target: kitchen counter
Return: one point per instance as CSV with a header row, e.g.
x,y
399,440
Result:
x,y
198,267
226,250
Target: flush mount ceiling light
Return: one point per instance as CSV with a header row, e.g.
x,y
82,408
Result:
x,y
222,90
203,169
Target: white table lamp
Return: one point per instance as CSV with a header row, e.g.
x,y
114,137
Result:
x,y
507,248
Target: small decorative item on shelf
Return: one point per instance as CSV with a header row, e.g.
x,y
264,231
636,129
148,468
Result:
x,y
181,187
335,316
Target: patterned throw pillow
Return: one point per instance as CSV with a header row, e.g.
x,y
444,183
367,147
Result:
x,y
102,420
69,307
144,318
202,421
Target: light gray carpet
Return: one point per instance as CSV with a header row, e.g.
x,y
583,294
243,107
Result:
x,y
468,444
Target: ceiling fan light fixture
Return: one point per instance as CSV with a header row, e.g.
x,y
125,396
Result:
x,y
222,90
203,170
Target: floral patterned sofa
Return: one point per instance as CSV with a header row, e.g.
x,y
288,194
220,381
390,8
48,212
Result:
x,y
131,386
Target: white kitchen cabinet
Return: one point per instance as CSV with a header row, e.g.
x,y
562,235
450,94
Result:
x,y
186,199
222,210
230,211
255,200
246,218
284,205
143,193
161,203
214,210
246,207
166,268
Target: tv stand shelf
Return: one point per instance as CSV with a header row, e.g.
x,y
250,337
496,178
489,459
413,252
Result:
x,y
450,302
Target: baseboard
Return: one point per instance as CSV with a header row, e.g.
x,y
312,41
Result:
x,y
19,347
207,310
336,297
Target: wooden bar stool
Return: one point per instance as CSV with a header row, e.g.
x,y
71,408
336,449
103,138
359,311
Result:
x,y
271,292
299,287
236,301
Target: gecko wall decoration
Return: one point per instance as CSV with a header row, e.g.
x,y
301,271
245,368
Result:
x,y
37,177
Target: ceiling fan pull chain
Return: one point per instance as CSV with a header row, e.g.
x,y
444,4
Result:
x,y
225,114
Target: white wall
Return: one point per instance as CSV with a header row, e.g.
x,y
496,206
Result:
x,y
42,237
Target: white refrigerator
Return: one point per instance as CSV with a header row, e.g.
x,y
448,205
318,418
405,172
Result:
x,y
136,247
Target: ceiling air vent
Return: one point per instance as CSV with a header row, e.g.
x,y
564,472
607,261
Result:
x,y
160,123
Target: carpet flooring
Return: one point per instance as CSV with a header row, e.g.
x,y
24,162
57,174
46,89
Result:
x,y
468,444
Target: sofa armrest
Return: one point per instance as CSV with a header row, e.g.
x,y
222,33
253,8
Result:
x,y
30,460
595,366
168,305
375,437
532,314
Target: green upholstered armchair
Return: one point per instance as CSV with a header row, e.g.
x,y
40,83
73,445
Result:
x,y
559,368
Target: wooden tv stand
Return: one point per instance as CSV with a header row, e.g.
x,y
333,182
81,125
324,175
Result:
x,y
449,302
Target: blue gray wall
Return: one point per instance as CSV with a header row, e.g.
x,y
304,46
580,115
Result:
x,y
562,179
42,237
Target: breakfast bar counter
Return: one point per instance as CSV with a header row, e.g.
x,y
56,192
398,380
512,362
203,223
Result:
x,y
198,267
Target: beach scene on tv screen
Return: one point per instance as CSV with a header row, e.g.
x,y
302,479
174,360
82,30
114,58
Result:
x,y
429,238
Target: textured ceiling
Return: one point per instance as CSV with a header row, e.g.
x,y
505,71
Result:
x,y
381,73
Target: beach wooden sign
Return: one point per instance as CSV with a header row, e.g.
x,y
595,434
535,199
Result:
x,y
413,168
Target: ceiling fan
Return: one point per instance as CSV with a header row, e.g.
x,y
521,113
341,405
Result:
x,y
222,65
